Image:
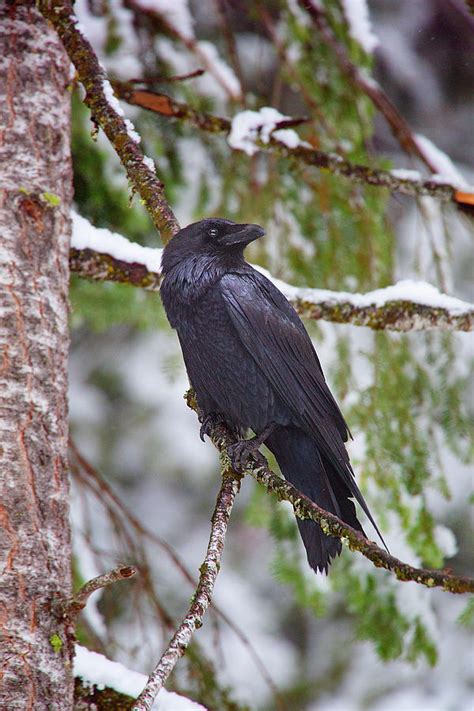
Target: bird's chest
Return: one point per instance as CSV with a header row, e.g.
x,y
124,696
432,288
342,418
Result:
x,y
224,374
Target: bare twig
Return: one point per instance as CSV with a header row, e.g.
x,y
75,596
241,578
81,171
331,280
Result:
x,y
304,508
162,79
105,114
73,606
203,595
111,501
332,162
229,38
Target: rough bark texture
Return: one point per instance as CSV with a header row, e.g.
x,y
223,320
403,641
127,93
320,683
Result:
x,y
35,197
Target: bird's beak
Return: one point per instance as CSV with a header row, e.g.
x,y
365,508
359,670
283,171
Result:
x,y
243,235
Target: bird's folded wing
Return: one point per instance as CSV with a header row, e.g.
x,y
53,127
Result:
x,y
271,331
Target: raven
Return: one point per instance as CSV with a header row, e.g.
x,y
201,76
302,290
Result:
x,y
253,365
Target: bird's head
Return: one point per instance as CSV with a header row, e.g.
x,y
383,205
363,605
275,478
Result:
x,y
213,237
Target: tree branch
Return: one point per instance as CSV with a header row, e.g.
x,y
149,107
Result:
x,y
400,128
73,606
394,181
107,114
395,311
304,508
203,595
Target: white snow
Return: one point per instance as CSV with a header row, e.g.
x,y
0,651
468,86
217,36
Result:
x,y
115,105
406,290
250,126
404,174
219,68
175,12
150,163
131,131
100,239
360,26
445,540
95,669
287,136
111,98
446,171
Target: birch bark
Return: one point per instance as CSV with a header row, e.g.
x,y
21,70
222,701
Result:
x,y
35,199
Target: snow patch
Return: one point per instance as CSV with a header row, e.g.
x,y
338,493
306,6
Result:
x,y
100,239
131,131
360,26
95,669
250,126
418,292
111,98
445,540
446,171
221,71
404,174
150,163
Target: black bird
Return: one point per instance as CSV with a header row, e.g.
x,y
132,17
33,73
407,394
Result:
x,y
252,364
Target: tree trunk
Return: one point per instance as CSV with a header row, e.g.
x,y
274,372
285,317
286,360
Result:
x,y
35,198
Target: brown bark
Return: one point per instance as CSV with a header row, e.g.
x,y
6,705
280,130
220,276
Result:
x,y
35,199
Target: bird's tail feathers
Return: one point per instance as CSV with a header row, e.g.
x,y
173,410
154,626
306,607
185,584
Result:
x,y
301,464
350,484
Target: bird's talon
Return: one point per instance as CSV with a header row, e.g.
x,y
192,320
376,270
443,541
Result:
x,y
240,452
208,423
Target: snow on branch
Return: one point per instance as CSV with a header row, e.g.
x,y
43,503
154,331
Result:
x,y
267,129
357,14
108,115
304,508
203,595
102,255
360,27
102,679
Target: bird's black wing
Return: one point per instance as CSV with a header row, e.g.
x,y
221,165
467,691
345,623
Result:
x,y
273,334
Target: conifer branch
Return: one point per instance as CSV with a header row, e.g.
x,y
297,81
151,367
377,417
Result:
x,y
400,128
167,107
304,508
392,315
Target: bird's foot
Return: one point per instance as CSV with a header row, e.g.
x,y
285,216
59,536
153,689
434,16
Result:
x,y
241,451
209,422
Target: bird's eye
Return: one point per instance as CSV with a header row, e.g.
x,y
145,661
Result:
x,y
213,232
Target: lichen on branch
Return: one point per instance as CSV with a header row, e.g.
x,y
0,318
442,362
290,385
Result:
x,y
107,114
304,508
412,185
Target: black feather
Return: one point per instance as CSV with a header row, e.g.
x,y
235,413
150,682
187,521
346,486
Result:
x,y
251,360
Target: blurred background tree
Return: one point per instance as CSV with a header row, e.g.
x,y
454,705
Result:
x,y
357,639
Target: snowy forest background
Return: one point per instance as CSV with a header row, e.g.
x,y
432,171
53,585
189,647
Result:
x,y
357,639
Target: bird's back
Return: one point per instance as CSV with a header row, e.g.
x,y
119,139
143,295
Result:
x,y
226,377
